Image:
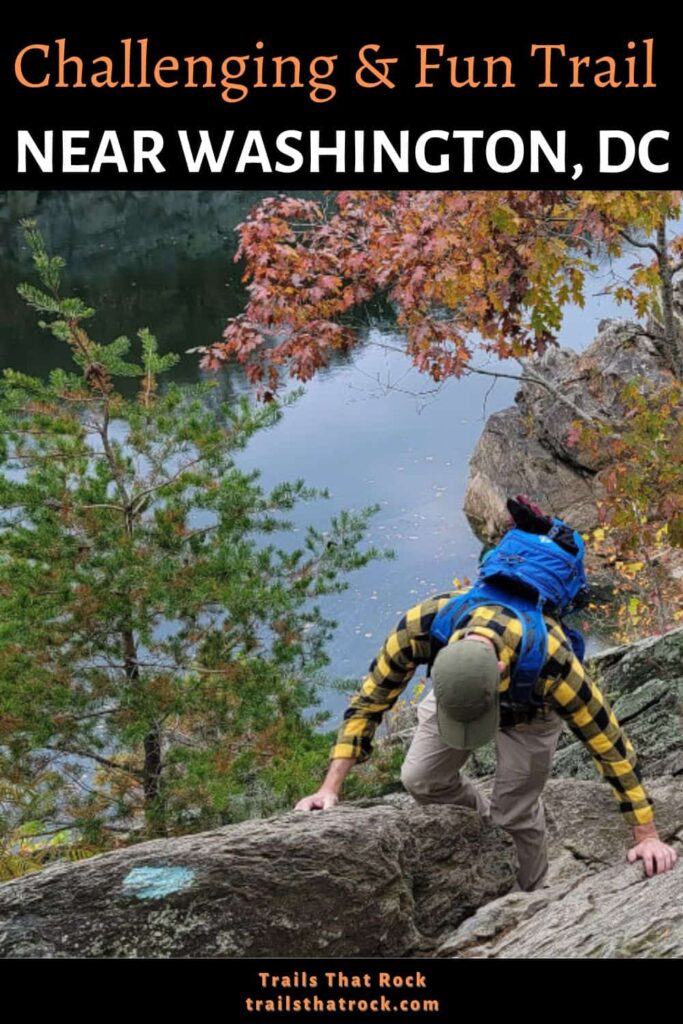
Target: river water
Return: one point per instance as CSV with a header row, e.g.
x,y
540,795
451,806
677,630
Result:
x,y
371,429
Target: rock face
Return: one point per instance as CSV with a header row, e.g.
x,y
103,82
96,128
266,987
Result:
x,y
387,877
524,449
510,458
377,878
372,878
644,682
596,905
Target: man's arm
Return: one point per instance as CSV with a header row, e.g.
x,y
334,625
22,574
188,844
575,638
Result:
x,y
590,717
390,672
328,794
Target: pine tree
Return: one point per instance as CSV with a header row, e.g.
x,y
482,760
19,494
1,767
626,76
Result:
x,y
157,649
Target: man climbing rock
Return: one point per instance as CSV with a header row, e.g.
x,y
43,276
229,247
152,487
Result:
x,y
502,667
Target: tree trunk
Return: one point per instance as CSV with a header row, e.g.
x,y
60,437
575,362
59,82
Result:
x,y
151,777
673,336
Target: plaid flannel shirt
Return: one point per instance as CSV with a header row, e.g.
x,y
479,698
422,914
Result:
x,y
564,684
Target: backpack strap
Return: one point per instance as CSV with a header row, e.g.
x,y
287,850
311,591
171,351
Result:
x,y
533,644
444,622
532,657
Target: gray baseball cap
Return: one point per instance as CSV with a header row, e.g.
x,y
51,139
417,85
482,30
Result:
x,y
465,677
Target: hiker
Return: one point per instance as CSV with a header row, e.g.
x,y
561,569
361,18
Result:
x,y
502,667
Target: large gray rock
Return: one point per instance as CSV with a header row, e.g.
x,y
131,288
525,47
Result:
x,y
524,449
597,905
626,668
377,878
593,381
364,879
510,458
387,877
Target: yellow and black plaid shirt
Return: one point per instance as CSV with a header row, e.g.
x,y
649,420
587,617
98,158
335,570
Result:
x,y
564,684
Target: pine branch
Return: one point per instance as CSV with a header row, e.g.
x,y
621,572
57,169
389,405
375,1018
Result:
x,y
134,772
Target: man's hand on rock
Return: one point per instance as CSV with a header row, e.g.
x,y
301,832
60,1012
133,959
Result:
x,y
319,801
657,857
328,794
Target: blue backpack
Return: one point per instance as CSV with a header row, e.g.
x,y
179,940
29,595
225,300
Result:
x,y
528,574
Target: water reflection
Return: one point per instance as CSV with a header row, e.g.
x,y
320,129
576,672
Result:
x,y
370,428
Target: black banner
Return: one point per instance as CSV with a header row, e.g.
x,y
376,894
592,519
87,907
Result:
x,y
252,104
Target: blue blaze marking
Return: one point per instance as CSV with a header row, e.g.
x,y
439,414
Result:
x,y
155,883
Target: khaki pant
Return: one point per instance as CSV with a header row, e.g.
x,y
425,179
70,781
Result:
x,y
524,754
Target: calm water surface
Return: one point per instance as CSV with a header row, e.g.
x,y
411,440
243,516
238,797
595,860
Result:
x,y
370,428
